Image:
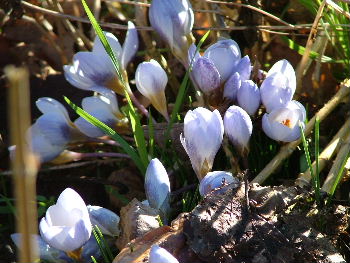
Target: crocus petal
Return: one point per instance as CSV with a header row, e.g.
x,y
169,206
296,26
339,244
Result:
x,y
286,69
157,186
49,105
238,128
202,138
244,68
105,219
99,50
248,97
192,54
130,45
161,255
282,124
66,225
205,75
275,91
232,86
225,54
214,180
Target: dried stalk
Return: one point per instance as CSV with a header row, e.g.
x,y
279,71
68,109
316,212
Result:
x,y
332,175
288,148
24,164
327,154
301,69
338,8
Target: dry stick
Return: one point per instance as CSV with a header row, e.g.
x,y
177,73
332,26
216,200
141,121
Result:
x,y
288,148
338,8
24,164
332,175
326,155
311,39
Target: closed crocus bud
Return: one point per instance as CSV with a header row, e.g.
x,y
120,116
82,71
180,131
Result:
x,y
216,179
232,86
244,68
238,128
95,71
105,219
225,54
205,75
151,80
282,124
161,255
105,108
202,138
173,21
279,86
248,97
52,131
157,187
66,225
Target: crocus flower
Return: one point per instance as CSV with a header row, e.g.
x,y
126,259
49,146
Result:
x,y
282,124
216,179
66,225
279,86
232,86
105,108
52,131
244,68
248,97
204,74
225,55
106,220
238,128
202,138
95,71
157,187
161,255
173,21
151,80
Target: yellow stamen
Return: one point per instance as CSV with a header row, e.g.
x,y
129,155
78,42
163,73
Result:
x,y
287,123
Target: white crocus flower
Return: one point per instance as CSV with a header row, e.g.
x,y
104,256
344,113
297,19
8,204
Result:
x,y
161,255
157,187
52,131
105,108
216,179
106,220
202,138
248,97
282,124
225,54
151,80
66,225
173,21
95,71
238,128
279,86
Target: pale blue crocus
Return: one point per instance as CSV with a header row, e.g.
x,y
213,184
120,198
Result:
x,y
248,97
66,225
157,188
161,255
52,131
238,128
151,80
215,180
279,86
282,124
95,71
173,21
202,138
105,108
106,220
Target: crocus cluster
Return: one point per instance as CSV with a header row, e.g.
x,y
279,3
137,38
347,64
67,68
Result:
x,y
65,231
53,131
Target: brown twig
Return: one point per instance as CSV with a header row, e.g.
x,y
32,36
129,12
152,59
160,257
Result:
x,y
288,148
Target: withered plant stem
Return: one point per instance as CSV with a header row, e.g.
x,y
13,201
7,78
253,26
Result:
x,y
24,164
327,154
288,148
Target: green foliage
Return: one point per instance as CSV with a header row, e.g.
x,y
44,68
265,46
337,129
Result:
x,y
102,244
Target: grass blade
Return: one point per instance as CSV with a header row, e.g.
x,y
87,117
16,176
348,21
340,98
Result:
x,y
317,151
110,132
